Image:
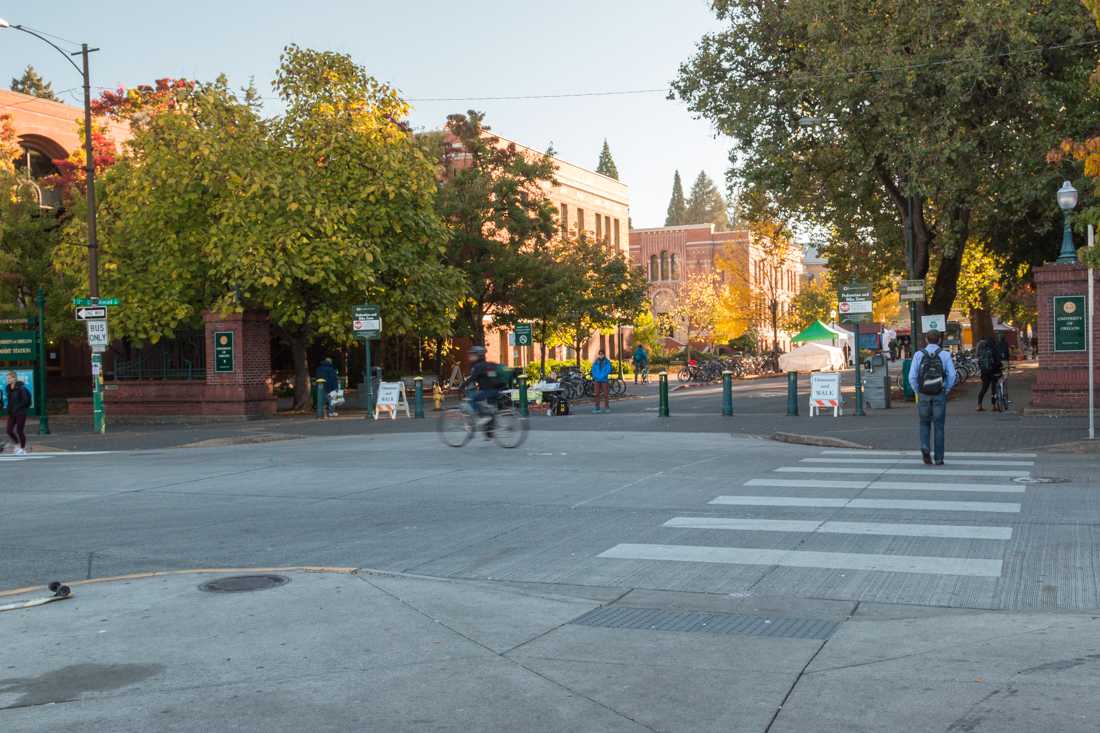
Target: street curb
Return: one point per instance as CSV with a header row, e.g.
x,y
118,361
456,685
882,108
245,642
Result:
x,y
817,440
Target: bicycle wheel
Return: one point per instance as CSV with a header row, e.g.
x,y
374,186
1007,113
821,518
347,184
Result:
x,y
618,387
684,375
456,427
589,388
510,430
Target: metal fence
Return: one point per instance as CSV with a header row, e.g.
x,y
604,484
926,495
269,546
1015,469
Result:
x,y
182,358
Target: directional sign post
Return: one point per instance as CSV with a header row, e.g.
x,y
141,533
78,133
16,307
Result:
x,y
106,302
98,338
367,324
912,290
523,334
91,313
855,306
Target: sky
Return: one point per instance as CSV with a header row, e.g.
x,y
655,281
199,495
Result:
x,y
427,49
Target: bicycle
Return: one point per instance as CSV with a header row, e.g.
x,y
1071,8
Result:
x,y
1000,393
458,424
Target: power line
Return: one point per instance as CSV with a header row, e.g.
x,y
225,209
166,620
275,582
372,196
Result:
x,y
506,98
76,44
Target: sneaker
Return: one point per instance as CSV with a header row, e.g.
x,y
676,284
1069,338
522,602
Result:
x,y
980,409
939,461
334,414
607,409
595,411
20,452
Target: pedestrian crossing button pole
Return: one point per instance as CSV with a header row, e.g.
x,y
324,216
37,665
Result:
x,y
727,393
662,405
792,394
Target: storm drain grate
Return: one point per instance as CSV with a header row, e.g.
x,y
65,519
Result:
x,y
244,583
656,619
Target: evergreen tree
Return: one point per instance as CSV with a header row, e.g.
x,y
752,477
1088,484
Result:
x,y
33,84
705,204
606,165
677,207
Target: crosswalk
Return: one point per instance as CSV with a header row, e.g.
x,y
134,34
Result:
x,y
777,505
38,456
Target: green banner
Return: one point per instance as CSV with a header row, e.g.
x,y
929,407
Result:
x,y
17,346
1069,323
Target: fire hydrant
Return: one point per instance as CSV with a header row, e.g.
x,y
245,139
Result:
x,y
437,397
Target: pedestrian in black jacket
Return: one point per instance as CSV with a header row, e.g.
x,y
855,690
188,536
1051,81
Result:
x,y
18,399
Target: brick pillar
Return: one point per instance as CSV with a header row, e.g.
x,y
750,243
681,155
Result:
x,y
246,391
1062,381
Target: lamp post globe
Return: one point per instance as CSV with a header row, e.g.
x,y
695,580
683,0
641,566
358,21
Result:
x,y
1067,201
4,23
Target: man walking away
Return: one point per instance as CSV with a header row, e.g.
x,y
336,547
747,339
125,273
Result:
x,y
18,399
989,362
932,376
328,373
641,364
601,370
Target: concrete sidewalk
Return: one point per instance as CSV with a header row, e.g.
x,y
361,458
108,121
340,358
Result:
x,y
349,650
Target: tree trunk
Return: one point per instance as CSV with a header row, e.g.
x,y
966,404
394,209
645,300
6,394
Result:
x,y
299,343
981,324
774,308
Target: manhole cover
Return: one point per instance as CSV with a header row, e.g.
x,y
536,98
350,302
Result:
x,y
1040,480
244,583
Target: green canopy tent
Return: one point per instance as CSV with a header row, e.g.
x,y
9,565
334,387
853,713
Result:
x,y
817,331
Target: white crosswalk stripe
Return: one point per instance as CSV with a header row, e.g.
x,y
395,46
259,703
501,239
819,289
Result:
x,y
874,485
854,491
36,455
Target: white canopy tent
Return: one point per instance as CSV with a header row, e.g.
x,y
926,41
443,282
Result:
x,y
813,357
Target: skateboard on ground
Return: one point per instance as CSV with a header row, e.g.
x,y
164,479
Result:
x,y
60,593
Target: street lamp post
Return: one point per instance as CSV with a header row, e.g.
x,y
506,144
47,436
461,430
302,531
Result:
x,y
100,422
1067,201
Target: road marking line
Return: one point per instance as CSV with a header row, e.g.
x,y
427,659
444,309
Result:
x,y
918,461
916,504
873,485
978,567
944,531
926,470
964,454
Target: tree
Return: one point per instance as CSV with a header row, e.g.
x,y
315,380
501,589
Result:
x,y
816,301
758,278
33,84
696,306
705,204
498,216
541,294
604,289
845,112
645,330
303,215
606,165
677,206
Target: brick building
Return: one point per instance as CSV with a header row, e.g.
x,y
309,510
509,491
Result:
x,y
588,202
669,255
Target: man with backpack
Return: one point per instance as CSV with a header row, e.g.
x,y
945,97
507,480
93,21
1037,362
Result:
x,y
990,364
932,376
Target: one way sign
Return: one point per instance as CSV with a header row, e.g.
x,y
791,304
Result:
x,y
92,313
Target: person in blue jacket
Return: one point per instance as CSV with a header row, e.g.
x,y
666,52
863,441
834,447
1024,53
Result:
x,y
601,372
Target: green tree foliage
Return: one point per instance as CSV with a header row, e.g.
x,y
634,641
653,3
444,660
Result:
x,y
33,84
816,301
696,308
498,215
607,165
706,205
843,111
677,205
606,289
303,215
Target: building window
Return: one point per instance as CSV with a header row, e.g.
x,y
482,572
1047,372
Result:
x,y
653,268
580,222
664,265
564,220
675,267
616,233
599,228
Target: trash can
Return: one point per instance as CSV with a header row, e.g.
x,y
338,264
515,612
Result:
x,y
876,391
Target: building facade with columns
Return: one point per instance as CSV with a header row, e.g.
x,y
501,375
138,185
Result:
x,y
670,255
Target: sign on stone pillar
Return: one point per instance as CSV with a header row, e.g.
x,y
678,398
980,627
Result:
x,y
1069,323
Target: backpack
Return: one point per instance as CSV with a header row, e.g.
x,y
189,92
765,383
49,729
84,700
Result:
x,y
930,378
985,357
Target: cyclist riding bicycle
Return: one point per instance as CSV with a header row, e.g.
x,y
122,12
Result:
x,y
489,380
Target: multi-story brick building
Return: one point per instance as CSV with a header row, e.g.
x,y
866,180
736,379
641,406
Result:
x,y
670,255
587,202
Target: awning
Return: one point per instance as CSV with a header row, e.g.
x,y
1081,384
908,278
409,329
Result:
x,y
817,331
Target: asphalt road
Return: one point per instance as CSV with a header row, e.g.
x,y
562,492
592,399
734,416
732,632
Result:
x,y
698,512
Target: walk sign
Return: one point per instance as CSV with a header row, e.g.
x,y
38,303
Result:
x,y
825,393
523,334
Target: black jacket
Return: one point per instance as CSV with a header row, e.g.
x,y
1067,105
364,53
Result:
x,y
19,399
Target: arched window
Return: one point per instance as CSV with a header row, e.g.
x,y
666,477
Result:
x,y
675,267
653,268
664,265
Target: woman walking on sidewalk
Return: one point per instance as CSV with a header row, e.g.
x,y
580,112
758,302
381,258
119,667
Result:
x,y
18,400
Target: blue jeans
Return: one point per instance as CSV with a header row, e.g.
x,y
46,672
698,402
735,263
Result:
x,y
933,411
483,399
